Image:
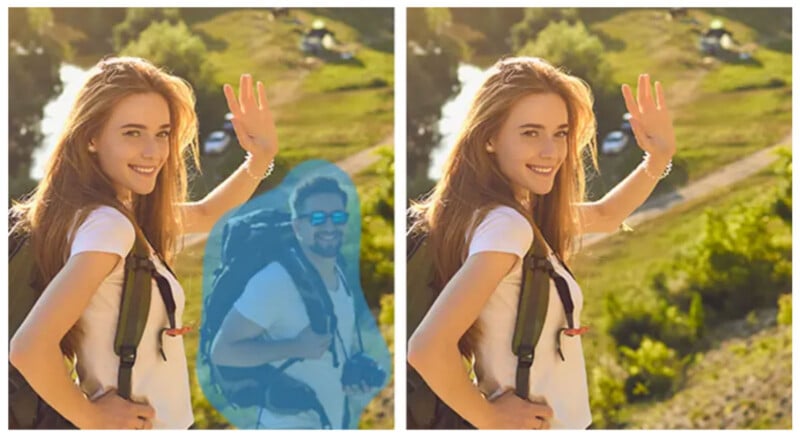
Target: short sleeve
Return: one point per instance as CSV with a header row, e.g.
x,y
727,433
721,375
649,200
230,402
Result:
x,y
265,294
502,230
104,230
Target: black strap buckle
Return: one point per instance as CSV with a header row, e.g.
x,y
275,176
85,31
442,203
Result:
x,y
140,263
540,263
127,356
525,360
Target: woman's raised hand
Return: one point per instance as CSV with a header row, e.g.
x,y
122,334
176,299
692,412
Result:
x,y
252,119
650,119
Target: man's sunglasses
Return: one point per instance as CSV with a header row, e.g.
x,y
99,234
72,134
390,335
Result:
x,y
318,218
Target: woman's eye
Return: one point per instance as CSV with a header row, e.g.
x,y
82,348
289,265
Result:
x,y
164,134
562,134
131,133
530,133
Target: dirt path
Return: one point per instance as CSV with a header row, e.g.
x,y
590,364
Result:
x,y
351,165
726,176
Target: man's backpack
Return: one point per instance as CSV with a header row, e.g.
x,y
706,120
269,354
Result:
x,y
26,409
425,409
249,243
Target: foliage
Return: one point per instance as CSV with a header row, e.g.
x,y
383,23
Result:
x,y
606,395
655,318
377,237
582,54
95,24
783,200
139,19
34,60
736,265
492,24
176,48
535,20
785,309
652,368
432,72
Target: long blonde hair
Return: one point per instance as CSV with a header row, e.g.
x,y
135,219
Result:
x,y
73,183
472,181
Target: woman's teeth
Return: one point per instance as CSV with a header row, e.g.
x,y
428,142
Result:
x,y
541,170
142,169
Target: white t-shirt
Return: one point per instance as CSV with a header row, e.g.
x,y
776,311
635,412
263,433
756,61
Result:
x,y
560,384
162,384
272,301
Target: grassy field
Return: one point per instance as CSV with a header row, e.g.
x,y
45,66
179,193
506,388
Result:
x,y
723,109
624,263
623,266
325,109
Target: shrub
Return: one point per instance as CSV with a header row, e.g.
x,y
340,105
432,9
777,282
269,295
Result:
x,y
655,318
652,369
606,395
785,310
737,265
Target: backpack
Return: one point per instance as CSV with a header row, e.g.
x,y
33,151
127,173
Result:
x,y
249,243
26,409
425,409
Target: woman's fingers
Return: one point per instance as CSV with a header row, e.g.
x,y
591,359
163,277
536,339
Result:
x,y
630,102
262,97
662,104
233,102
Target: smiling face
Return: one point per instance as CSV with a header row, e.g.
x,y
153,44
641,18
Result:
x,y
320,224
531,145
134,144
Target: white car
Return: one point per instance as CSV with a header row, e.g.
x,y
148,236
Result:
x,y
216,142
614,142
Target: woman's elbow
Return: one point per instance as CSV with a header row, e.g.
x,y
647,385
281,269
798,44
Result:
x,y
419,351
20,351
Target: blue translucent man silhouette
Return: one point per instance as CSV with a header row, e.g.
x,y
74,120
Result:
x,y
300,319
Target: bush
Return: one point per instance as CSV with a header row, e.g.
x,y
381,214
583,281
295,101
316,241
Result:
x,y
653,369
606,395
736,265
785,310
783,201
655,318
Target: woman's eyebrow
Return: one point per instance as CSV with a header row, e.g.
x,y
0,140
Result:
x,y
141,126
539,126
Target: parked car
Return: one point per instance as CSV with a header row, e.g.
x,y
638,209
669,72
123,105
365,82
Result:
x,y
216,142
625,127
614,142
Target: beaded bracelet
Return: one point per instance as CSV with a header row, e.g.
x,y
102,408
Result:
x,y
270,168
666,172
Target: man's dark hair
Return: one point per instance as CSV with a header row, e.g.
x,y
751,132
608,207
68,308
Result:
x,y
318,185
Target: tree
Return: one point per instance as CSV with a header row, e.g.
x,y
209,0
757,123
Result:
x,y
34,61
137,20
174,48
582,54
536,19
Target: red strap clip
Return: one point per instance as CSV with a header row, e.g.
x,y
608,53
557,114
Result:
x,y
177,331
577,331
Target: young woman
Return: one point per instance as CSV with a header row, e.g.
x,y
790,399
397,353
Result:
x,y
118,166
518,163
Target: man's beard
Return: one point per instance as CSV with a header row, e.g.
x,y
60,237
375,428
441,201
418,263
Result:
x,y
327,249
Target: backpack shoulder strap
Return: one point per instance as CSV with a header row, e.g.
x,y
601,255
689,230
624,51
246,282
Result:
x,y
532,310
134,308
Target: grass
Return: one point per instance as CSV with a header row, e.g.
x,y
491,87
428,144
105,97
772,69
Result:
x,y
624,263
723,111
325,109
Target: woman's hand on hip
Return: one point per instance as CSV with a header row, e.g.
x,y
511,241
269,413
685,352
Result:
x,y
252,119
650,119
114,412
512,412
